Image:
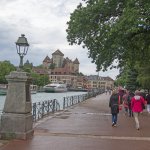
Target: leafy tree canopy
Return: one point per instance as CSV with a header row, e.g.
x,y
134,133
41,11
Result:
x,y
112,30
5,68
39,80
52,66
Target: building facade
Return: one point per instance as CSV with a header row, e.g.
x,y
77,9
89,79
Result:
x,y
95,81
60,69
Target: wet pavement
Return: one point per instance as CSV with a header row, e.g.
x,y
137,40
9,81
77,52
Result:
x,y
86,126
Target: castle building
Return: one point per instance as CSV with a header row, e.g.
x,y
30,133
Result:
x,y
61,69
60,65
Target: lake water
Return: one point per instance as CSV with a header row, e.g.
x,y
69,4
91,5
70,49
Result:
x,y
38,97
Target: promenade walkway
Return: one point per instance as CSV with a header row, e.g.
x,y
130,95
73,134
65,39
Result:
x,y
86,126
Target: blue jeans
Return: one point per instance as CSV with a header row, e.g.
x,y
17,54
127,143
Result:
x,y
114,118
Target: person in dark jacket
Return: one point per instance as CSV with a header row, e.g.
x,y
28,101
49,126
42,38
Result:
x,y
114,105
131,94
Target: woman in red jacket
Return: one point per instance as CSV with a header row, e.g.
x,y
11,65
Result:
x,y
137,103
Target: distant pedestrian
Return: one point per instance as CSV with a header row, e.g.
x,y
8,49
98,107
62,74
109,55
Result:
x,y
148,102
137,103
106,91
114,105
130,96
143,94
125,102
109,91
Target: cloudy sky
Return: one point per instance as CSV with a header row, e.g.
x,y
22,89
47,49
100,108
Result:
x,y
44,24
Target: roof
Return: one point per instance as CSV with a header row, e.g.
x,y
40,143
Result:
x,y
108,78
76,61
58,52
40,70
96,77
47,59
61,70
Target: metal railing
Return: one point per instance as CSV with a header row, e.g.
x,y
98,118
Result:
x,y
72,100
44,108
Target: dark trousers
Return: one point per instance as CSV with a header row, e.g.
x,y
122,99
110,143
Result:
x,y
130,113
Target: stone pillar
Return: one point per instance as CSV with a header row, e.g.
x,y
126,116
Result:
x,y
16,120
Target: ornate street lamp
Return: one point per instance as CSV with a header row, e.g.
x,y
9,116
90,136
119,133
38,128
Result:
x,y
22,46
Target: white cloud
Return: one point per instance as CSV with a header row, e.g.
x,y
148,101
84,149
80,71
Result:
x,y
44,24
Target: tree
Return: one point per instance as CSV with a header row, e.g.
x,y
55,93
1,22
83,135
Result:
x,y
27,66
132,83
39,80
144,75
40,66
5,68
112,30
52,66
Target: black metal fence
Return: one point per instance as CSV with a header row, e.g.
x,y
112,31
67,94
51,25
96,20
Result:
x,y
44,108
72,100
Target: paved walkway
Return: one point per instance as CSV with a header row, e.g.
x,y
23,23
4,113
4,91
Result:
x,y
86,126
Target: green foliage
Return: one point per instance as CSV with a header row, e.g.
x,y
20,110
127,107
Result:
x,y
144,75
52,66
39,80
5,68
40,66
122,77
132,83
112,30
120,82
28,67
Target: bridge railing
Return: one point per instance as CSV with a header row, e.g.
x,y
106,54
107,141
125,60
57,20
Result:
x,y
72,100
44,108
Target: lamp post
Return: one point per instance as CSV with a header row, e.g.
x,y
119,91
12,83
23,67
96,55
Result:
x,y
16,119
22,46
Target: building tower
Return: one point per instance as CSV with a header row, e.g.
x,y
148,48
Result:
x,y
76,65
58,58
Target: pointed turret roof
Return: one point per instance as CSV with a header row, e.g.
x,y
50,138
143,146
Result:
x,y
68,60
27,62
58,52
47,59
76,61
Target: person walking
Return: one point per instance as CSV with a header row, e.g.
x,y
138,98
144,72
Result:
x,y
114,106
137,103
148,102
125,102
131,95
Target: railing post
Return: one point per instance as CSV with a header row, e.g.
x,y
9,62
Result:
x,y
78,99
53,107
48,105
42,109
72,101
64,103
34,111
